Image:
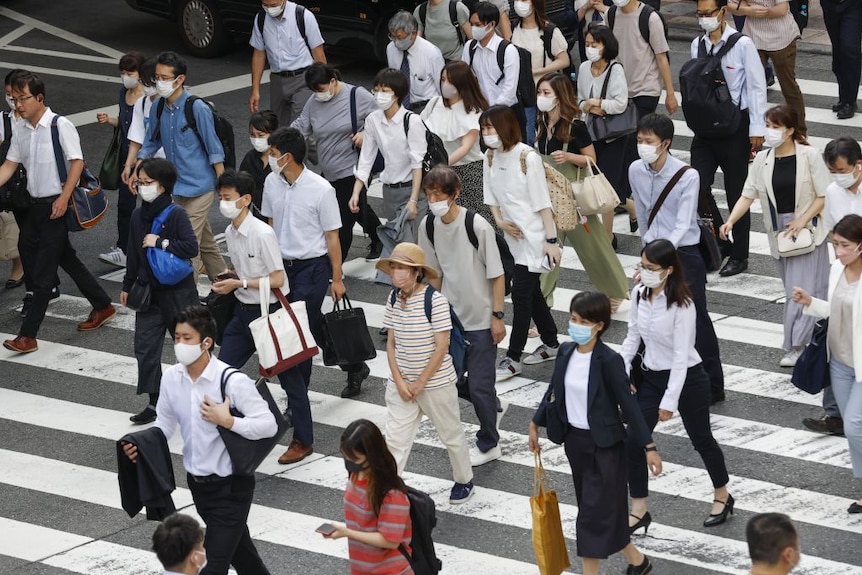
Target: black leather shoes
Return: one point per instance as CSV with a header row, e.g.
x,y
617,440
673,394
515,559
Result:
x,y
354,382
719,518
148,415
825,424
642,569
733,267
846,111
854,508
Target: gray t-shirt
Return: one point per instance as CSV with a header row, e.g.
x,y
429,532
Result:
x,y
438,28
329,123
466,271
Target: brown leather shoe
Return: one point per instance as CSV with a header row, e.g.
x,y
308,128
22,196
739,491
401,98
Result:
x,y
296,452
96,318
21,344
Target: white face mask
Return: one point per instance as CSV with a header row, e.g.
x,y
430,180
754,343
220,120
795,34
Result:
x,y
129,82
10,102
652,279
229,209
846,181
165,87
150,91
523,9
324,96
259,144
479,33
546,103
188,353
593,54
709,24
384,100
273,163
621,3
448,91
439,209
149,192
492,141
649,153
774,137
274,11
404,43
204,564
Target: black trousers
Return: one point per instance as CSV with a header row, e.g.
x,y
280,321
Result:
x,y
126,203
645,104
224,506
529,304
843,23
694,410
20,216
706,342
365,217
731,155
44,246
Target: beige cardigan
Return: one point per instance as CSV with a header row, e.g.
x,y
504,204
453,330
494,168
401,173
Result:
x,y
812,178
821,308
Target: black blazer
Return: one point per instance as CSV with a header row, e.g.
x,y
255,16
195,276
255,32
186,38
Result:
x,y
150,481
607,393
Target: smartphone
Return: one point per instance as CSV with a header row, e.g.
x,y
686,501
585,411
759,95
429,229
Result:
x,y
547,264
325,529
227,276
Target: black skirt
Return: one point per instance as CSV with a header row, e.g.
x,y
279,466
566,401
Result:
x,y
600,478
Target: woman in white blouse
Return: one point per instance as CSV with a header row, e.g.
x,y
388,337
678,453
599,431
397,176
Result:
x,y
454,117
672,377
517,193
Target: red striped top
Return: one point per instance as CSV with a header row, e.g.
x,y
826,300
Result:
x,y
393,523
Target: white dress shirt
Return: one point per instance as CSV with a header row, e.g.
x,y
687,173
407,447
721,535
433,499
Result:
x,y
744,74
140,121
33,148
180,398
426,63
286,50
839,203
668,335
402,154
487,71
254,252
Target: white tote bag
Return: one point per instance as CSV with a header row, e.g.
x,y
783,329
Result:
x,y
282,338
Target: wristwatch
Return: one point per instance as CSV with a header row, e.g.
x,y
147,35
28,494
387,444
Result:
x,y
165,243
551,240
497,314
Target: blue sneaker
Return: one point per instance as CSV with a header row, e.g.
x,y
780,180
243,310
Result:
x,y
461,492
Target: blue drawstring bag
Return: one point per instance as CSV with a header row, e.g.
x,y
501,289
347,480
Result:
x,y
168,268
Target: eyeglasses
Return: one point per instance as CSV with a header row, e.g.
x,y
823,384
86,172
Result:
x,y
147,183
20,100
706,14
163,79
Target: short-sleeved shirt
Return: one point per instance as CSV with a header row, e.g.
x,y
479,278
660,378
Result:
x,y
637,57
301,213
414,336
33,148
286,50
140,122
839,203
438,28
451,124
771,34
467,271
531,39
579,138
393,523
254,253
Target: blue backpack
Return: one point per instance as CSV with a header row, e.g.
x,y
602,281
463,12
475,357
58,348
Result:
x,y
457,340
168,268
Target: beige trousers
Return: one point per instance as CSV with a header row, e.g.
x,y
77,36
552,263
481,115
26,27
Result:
x,y
209,258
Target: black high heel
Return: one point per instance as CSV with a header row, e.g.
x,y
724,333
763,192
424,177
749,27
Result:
x,y
719,518
642,522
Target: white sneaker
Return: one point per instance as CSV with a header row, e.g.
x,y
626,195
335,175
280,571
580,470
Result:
x,y
507,368
504,406
789,359
115,257
542,354
478,458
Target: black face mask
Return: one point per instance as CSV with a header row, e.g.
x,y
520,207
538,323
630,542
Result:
x,y
353,467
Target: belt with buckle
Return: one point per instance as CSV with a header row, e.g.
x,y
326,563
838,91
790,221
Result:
x,y
213,478
291,73
256,306
291,263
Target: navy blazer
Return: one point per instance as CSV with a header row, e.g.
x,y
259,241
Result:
x,y
607,393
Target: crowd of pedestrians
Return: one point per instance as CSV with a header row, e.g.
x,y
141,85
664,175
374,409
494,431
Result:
x,y
459,236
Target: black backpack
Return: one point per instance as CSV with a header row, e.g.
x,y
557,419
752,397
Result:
x,y
706,101
505,253
526,90
223,129
423,517
799,9
643,21
547,37
379,164
300,23
13,194
436,153
453,17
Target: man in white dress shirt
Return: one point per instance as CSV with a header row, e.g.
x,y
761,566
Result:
x,y
179,544
191,398
417,58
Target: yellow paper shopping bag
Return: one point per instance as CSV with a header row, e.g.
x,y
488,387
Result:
x,y
548,541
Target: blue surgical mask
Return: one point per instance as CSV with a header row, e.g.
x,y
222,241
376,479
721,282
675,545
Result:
x,y
580,334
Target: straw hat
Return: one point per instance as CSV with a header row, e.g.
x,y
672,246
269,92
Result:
x,y
407,254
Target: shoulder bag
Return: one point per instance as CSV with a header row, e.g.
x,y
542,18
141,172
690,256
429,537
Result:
x,y
168,268
594,194
138,299
613,126
811,372
88,204
109,173
788,246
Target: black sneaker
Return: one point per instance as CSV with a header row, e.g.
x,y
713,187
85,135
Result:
x,y
148,415
354,382
374,251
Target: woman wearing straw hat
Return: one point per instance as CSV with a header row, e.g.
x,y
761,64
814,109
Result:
x,y
423,376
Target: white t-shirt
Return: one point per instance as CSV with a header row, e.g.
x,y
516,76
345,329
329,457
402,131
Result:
x,y
839,203
452,124
577,382
531,39
140,121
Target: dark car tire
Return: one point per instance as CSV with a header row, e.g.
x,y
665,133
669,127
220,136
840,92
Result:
x,y
201,28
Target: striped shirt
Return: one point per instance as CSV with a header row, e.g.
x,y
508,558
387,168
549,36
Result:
x,y
393,523
414,336
771,34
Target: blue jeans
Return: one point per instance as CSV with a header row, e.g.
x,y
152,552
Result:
x,y
531,124
848,392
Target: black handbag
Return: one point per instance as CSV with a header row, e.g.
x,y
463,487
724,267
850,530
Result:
x,y
139,297
811,373
708,246
613,126
221,307
346,340
246,455
109,174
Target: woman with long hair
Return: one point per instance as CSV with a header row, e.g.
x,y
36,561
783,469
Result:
x,y
581,410
564,143
454,117
790,178
671,377
376,508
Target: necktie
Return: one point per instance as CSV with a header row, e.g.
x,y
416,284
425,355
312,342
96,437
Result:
x,y
405,69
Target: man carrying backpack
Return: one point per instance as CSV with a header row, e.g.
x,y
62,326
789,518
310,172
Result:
x,y
196,152
446,24
462,247
724,99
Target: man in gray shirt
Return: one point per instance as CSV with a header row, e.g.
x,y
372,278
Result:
x,y
676,221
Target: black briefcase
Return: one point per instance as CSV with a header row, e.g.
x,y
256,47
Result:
x,y
346,340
